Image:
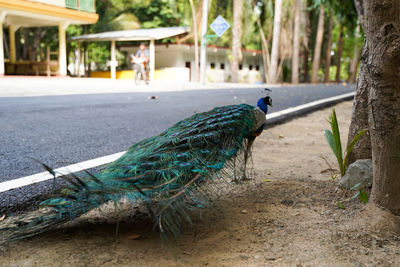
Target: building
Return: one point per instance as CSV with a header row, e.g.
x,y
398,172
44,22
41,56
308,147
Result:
x,y
39,13
175,62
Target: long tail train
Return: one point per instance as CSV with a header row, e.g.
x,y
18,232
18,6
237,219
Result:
x,y
170,173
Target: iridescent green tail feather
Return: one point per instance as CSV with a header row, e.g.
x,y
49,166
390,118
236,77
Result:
x,y
170,173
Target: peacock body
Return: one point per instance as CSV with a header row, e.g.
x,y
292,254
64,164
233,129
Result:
x,y
167,173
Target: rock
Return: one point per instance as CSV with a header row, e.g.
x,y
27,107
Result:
x,y
244,257
358,172
287,202
244,211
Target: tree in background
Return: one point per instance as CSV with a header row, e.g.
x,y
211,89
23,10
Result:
x,y
297,35
296,42
196,42
346,15
328,47
318,44
305,18
273,67
356,56
236,39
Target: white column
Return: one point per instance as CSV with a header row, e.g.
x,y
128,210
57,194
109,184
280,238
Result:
x,y
1,50
2,17
12,29
62,48
152,60
79,59
113,62
203,50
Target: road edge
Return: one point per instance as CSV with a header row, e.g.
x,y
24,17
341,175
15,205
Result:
x,y
273,119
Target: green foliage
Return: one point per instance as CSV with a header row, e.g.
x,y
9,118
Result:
x,y
333,138
361,194
133,14
340,205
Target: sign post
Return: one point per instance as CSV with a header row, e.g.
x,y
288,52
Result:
x,y
219,26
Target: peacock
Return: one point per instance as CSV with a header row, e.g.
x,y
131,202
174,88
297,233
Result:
x,y
168,173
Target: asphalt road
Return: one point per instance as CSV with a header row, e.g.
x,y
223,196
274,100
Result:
x,y
62,130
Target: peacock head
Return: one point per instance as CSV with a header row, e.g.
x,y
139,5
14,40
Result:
x,y
268,101
264,102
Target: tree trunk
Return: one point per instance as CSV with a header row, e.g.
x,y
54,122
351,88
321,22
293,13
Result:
x,y
359,120
296,43
382,30
356,56
318,45
379,68
264,46
328,48
339,54
273,67
306,39
196,42
236,36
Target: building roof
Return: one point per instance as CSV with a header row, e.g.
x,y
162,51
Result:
x,y
36,14
133,35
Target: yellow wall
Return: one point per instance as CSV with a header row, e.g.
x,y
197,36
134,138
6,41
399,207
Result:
x,y
163,74
123,74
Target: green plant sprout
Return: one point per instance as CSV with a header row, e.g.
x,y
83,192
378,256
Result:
x,y
333,139
360,193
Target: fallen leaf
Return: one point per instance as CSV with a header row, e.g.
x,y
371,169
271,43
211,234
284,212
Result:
x,y
134,236
244,211
266,181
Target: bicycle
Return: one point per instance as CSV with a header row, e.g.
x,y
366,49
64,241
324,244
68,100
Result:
x,y
139,74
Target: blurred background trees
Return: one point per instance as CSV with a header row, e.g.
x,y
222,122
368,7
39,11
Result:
x,y
313,41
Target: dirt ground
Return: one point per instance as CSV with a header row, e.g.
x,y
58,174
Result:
x,y
290,214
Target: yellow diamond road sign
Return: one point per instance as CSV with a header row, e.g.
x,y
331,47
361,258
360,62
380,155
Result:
x,y
219,25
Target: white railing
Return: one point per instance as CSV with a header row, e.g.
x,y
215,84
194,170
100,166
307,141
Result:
x,y
60,3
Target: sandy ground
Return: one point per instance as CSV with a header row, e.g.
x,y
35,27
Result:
x,y
287,215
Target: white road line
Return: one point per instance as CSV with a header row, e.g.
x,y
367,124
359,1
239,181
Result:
x,y
84,165
308,105
43,176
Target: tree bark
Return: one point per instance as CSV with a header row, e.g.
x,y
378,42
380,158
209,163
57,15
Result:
x,y
328,48
359,120
273,67
380,64
296,43
339,54
196,41
382,30
318,45
236,36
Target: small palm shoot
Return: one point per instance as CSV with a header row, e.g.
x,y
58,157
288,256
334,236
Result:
x,y
333,139
334,142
